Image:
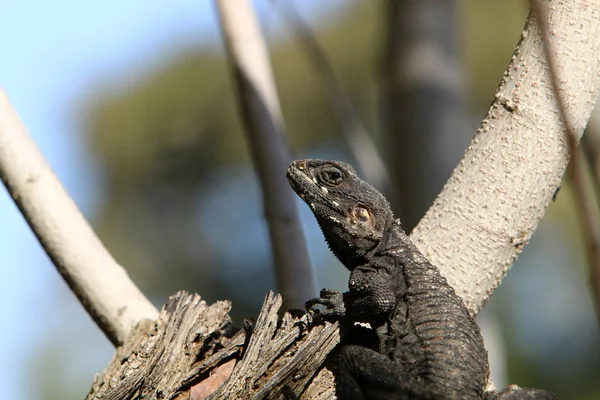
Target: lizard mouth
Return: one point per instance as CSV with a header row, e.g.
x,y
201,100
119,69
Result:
x,y
304,185
307,187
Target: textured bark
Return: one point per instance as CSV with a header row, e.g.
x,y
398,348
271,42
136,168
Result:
x,y
188,354
99,282
496,196
153,363
264,128
587,205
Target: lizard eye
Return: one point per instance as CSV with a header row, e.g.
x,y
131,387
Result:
x,y
361,214
331,176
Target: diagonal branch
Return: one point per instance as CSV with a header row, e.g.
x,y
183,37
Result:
x,y
494,199
580,175
262,117
100,284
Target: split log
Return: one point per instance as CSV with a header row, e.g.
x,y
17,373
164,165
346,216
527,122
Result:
x,y
191,350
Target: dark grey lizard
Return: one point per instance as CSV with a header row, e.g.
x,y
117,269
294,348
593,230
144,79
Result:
x,y
426,345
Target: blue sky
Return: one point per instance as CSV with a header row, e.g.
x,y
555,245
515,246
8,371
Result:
x,y
53,55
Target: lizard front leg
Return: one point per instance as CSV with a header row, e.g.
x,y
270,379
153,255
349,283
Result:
x,y
334,302
372,295
371,298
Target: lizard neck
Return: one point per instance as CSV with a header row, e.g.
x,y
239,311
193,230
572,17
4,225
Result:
x,y
397,245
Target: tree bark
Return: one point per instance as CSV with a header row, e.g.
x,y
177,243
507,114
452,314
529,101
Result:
x,y
496,196
99,282
159,360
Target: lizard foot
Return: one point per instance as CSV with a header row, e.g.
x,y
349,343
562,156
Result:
x,y
333,301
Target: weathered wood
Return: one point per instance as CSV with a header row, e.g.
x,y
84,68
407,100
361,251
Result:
x,y
279,355
189,352
154,361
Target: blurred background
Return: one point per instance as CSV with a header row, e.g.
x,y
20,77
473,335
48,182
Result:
x,y
133,106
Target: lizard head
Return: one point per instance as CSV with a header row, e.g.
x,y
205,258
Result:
x,y
351,213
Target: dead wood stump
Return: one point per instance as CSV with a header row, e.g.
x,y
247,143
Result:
x,y
191,352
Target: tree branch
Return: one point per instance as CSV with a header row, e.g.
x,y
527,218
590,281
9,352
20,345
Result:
x,y
262,117
580,175
495,197
101,285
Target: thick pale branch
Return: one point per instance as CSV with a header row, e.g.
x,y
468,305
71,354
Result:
x,y
494,199
580,175
262,117
102,285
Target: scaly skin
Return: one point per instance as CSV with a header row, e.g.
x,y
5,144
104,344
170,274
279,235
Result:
x,y
426,344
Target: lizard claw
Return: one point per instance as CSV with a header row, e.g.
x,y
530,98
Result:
x,y
333,301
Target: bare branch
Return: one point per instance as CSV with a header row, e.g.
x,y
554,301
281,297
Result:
x,y
369,161
580,174
100,284
261,114
494,199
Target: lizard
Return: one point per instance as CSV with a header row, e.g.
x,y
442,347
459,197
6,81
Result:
x,y
426,344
